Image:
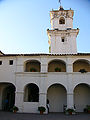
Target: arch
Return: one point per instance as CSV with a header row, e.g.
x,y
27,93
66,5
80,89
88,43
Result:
x,y
62,84
32,66
62,20
81,65
81,84
8,83
57,97
56,65
81,96
7,93
31,93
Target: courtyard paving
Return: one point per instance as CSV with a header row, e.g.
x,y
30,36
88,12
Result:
x,y
51,116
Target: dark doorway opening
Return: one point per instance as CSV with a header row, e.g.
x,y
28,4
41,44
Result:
x,y
8,96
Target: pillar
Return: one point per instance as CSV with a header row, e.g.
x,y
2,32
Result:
x,y
69,65
19,100
70,101
69,68
44,65
43,68
42,100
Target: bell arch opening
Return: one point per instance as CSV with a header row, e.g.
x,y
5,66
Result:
x,y
62,20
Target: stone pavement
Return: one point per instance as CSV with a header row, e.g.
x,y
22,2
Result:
x,y
51,116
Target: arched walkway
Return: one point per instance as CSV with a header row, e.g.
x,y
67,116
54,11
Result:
x,y
7,96
31,93
57,96
56,66
81,66
32,66
81,96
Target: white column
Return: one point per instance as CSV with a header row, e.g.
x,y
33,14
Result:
x,y
70,101
19,100
69,65
43,91
43,68
44,65
69,68
42,100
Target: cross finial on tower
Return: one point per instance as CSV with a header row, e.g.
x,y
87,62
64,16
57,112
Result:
x,y
60,8
60,2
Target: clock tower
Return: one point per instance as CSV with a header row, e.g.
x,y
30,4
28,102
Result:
x,y
62,36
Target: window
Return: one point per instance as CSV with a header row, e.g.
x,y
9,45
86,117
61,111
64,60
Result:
x,y
10,62
31,93
62,20
0,62
63,39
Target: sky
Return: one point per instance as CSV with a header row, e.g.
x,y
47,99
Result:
x,y
24,24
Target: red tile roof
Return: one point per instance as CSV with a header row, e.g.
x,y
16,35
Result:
x,y
42,54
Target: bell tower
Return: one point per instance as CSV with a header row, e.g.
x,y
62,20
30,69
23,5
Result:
x,y
62,36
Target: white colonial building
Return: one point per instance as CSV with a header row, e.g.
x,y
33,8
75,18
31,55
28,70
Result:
x,y
62,76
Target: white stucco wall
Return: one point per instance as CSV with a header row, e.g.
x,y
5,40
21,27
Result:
x,y
15,74
7,72
69,45
30,107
